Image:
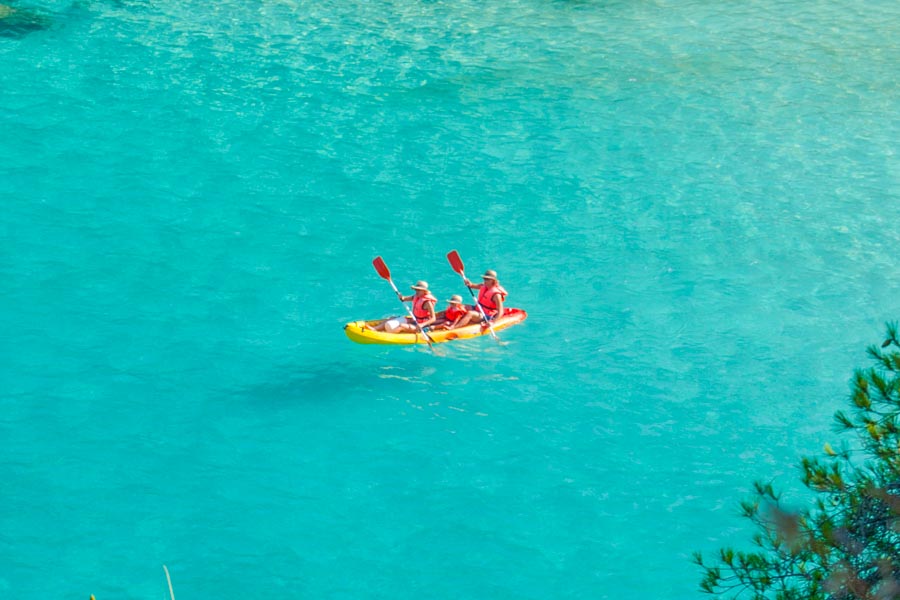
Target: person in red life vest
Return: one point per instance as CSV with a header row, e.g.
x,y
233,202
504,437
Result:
x,y
491,297
454,312
423,304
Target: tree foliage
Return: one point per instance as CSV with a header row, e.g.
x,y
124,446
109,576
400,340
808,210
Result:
x,y
846,546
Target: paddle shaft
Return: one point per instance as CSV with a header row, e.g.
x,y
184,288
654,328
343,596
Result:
x,y
427,337
481,310
456,264
382,270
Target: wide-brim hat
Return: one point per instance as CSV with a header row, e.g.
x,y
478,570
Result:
x,y
420,285
490,274
455,299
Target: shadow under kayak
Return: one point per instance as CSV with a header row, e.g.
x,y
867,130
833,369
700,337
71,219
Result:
x,y
358,333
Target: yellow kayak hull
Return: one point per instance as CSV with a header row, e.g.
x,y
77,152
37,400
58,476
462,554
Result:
x,y
358,333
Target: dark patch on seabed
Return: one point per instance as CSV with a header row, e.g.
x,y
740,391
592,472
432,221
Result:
x,y
18,22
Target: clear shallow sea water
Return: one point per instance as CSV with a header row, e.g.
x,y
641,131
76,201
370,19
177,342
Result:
x,y
697,204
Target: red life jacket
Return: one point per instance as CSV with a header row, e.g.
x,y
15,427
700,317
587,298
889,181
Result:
x,y
418,308
486,298
454,312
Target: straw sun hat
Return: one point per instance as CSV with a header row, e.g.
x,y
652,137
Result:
x,y
455,299
420,285
490,274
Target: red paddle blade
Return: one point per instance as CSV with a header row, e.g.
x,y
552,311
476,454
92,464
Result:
x,y
455,261
381,268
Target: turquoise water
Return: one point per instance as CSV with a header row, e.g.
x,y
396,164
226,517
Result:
x,y
696,202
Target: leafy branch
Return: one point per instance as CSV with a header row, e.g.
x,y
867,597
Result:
x,y
846,546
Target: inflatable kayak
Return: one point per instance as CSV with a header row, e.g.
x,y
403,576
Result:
x,y
358,333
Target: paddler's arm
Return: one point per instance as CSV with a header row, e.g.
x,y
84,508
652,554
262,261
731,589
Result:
x,y
498,302
431,316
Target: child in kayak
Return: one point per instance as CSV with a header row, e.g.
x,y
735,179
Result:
x,y
454,313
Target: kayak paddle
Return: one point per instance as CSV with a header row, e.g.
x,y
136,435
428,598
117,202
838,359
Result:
x,y
457,264
385,273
